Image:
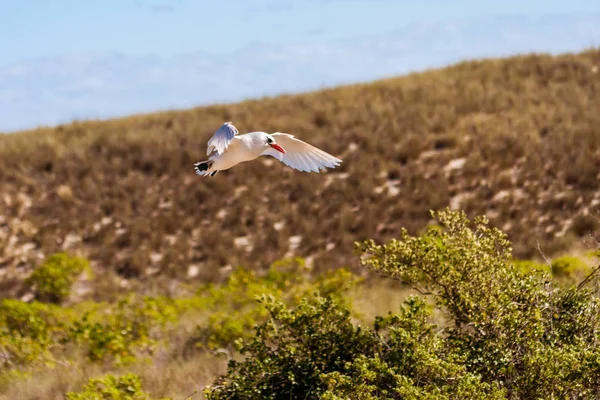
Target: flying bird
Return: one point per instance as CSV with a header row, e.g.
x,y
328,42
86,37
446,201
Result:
x,y
227,148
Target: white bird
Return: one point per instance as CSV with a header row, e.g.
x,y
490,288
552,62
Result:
x,y
229,149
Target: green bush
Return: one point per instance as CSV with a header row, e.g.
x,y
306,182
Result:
x,y
570,268
315,351
36,333
40,334
53,279
527,267
509,328
507,333
111,387
27,331
234,310
121,330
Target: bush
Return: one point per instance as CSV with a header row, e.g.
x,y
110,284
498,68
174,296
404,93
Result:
x,y
234,310
111,387
507,334
39,334
315,352
527,267
510,328
52,280
33,334
27,330
121,330
570,268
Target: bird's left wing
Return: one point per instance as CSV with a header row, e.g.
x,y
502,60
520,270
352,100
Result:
x,y
221,138
301,155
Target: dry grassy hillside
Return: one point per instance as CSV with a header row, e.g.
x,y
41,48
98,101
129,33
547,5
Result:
x,y
517,139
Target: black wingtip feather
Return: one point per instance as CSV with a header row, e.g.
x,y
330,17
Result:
x,y
201,166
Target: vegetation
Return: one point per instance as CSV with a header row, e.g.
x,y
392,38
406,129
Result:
x,y
121,277
136,330
316,352
570,268
506,335
235,312
515,139
110,387
52,280
483,326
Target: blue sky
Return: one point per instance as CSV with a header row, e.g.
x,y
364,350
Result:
x,y
66,59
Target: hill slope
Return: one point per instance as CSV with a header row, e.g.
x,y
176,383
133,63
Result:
x,y
517,139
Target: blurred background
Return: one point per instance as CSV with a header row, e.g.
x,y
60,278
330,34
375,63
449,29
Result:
x,y
487,108
68,59
116,258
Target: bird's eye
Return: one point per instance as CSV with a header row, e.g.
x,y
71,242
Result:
x,y
269,140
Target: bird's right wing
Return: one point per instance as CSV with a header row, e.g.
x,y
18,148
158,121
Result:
x,y
221,138
301,155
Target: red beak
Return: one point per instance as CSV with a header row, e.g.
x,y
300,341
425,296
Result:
x,y
277,147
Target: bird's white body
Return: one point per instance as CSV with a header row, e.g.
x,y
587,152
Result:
x,y
226,149
242,148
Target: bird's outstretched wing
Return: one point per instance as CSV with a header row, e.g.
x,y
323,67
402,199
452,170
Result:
x,y
221,138
301,155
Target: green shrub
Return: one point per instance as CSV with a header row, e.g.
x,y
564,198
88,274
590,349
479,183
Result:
x,y
234,310
315,351
570,268
508,333
27,331
111,387
510,328
527,267
594,254
121,330
53,279
38,333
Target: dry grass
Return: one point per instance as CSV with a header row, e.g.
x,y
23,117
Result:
x,y
516,139
378,297
172,377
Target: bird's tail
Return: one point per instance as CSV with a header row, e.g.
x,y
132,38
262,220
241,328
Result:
x,y
203,167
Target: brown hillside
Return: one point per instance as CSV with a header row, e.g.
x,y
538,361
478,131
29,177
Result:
x,y
517,139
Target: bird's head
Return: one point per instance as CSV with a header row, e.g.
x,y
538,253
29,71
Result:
x,y
270,141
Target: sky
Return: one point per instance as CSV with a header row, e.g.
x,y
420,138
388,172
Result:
x,y
70,59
